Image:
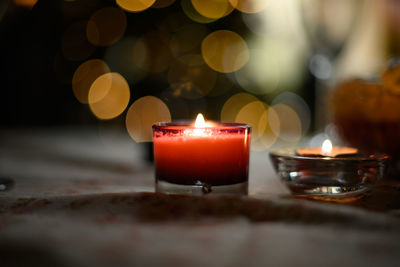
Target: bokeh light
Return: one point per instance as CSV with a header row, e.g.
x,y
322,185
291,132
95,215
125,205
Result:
x,y
261,74
225,51
106,26
187,39
264,122
85,75
162,3
75,45
214,9
190,77
277,28
193,14
298,105
142,114
250,6
151,53
109,96
121,58
290,124
134,5
234,104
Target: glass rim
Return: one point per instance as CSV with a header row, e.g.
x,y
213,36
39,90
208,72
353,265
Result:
x,y
189,124
291,154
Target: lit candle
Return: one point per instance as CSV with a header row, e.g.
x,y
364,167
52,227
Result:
x,y
327,150
204,154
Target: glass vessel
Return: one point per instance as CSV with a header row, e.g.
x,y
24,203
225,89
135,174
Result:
x,y
344,176
193,160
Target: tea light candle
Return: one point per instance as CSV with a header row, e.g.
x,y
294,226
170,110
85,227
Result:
x,y
204,156
327,150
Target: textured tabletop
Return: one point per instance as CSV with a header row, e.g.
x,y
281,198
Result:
x,y
84,197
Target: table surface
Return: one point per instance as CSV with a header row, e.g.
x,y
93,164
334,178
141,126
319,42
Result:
x,y
85,197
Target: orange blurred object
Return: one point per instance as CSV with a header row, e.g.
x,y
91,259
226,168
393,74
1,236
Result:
x,y
367,113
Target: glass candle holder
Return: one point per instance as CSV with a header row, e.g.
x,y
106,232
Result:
x,y
328,177
211,159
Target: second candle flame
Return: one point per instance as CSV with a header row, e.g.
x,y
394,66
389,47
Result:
x,y
326,148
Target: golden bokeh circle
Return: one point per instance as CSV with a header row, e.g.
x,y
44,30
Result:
x,y
290,129
85,75
193,14
258,114
142,114
213,9
225,51
109,96
135,5
106,26
234,104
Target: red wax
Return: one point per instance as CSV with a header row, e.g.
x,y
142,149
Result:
x,y
217,155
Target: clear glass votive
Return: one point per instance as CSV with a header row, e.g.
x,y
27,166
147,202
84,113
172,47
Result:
x,y
346,176
211,159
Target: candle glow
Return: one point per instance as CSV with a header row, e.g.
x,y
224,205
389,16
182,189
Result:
x,y
200,122
201,127
201,152
327,150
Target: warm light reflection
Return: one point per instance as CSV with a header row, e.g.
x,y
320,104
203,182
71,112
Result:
x,y
106,26
326,149
142,114
134,5
85,75
214,9
250,6
109,96
225,51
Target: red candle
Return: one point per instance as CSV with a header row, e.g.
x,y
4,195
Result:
x,y
327,150
205,153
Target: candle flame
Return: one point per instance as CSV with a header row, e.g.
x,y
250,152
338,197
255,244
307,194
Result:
x,y
326,147
200,122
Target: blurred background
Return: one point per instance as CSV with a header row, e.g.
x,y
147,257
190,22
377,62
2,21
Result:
x,y
127,64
